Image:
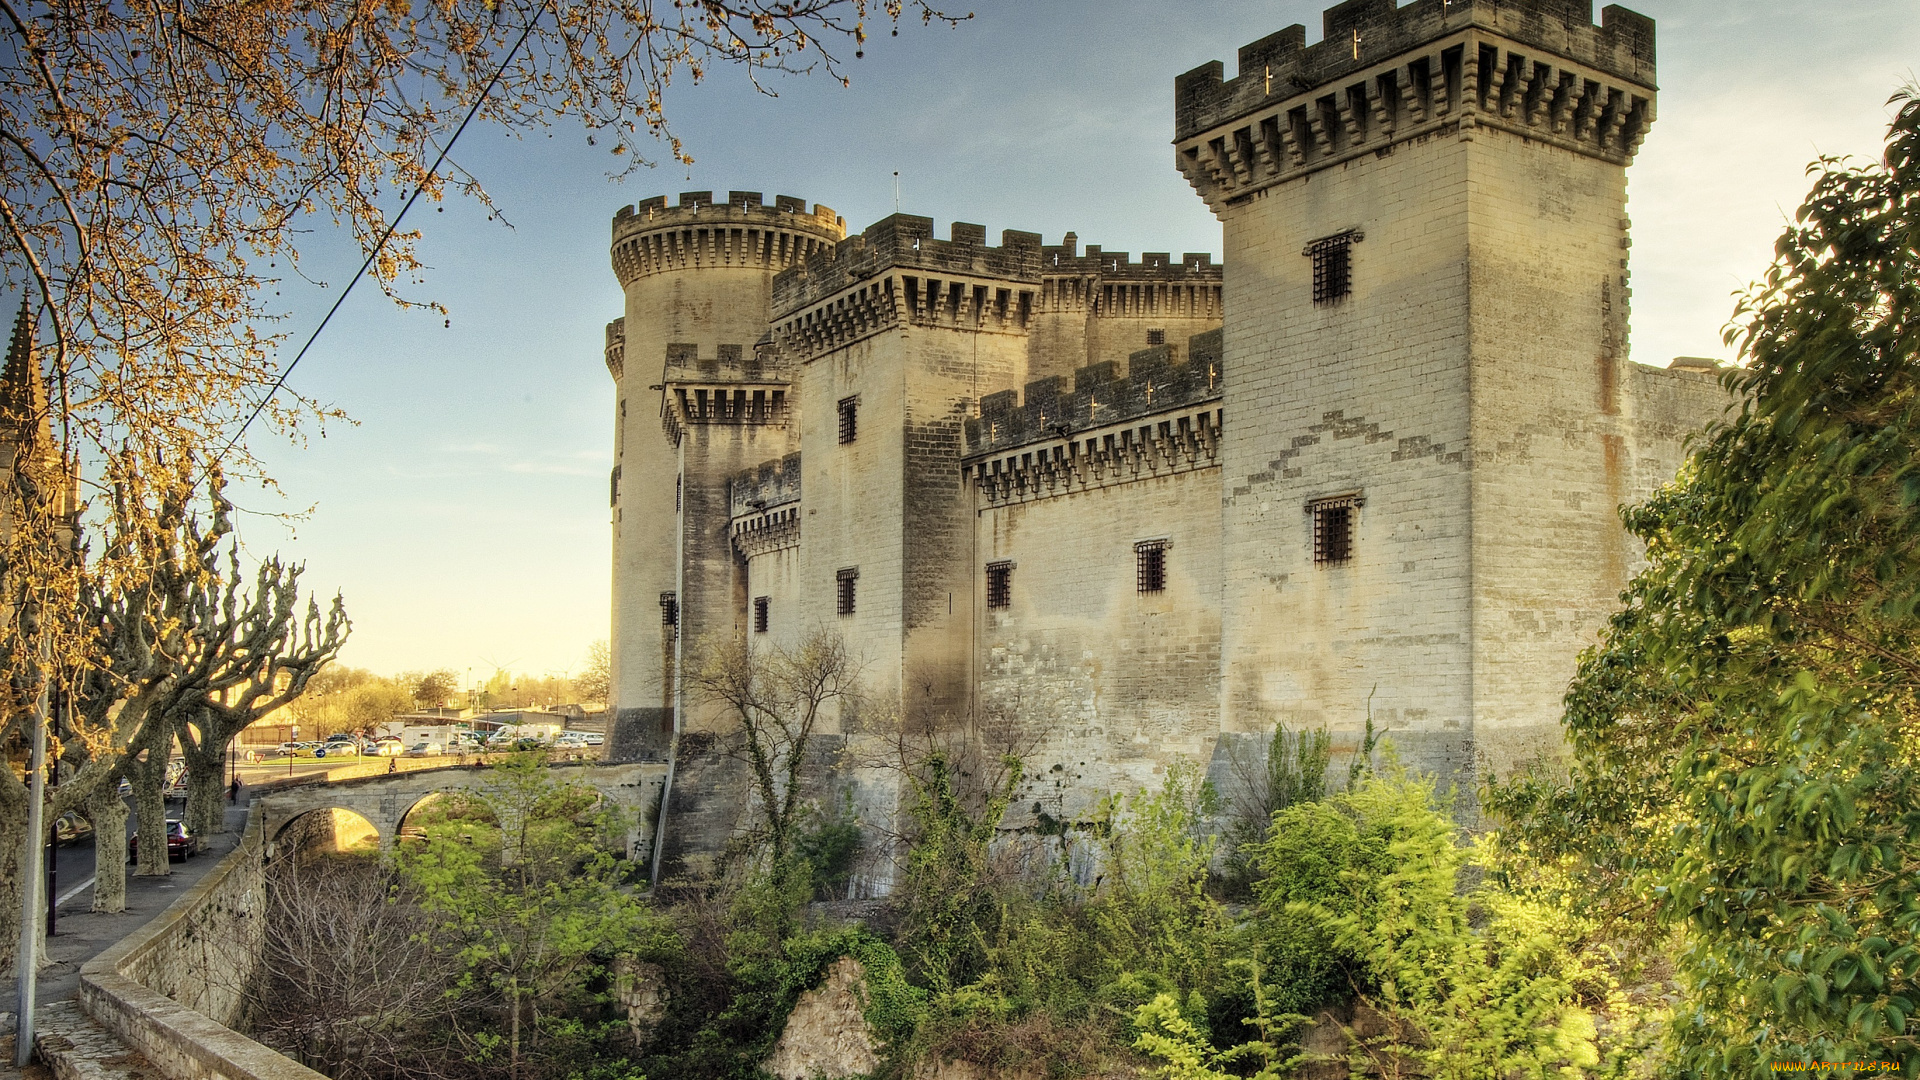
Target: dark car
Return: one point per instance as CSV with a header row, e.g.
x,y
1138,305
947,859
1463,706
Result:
x,y
181,844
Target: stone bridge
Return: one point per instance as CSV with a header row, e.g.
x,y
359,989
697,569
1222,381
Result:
x,y
385,801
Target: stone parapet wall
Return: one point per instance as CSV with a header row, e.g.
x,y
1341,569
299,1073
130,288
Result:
x,y
169,990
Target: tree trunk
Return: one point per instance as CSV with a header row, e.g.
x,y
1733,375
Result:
x,y
108,812
149,780
13,845
206,795
513,1066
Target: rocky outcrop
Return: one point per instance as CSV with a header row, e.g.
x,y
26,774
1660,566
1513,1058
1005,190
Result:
x,y
826,1037
642,990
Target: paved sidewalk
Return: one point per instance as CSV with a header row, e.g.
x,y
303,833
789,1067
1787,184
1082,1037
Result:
x,y
80,935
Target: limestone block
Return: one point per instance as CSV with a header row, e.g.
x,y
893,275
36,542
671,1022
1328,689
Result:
x,y
642,991
826,1037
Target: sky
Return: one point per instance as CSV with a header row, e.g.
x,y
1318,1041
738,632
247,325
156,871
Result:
x,y
463,514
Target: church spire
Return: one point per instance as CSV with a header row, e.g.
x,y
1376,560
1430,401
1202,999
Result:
x,y
20,379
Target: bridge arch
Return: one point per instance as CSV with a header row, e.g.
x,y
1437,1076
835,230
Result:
x,y
325,830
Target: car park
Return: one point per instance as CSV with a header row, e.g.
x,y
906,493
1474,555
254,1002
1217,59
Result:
x,y
181,843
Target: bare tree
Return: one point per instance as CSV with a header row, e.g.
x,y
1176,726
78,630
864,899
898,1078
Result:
x,y
778,697
352,980
596,676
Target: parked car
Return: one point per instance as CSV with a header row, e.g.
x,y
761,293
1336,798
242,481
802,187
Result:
x,y
337,749
181,844
287,748
594,738
71,828
425,749
389,748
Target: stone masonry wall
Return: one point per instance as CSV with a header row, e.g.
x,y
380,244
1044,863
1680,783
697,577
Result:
x,y
171,988
1369,396
1101,685
1554,429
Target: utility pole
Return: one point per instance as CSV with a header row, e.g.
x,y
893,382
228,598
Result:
x,y
27,960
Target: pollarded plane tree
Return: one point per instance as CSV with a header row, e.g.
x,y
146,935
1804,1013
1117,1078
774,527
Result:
x,y
236,653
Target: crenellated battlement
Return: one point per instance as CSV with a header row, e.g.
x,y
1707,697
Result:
x,y
1154,383
906,241
1108,284
1384,74
651,237
765,486
1360,33
725,364
731,386
617,348
765,506
1067,258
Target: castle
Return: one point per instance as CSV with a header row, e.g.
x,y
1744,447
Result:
x,y
1141,509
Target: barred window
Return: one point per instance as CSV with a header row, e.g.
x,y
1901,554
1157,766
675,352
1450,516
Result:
x,y
670,610
847,579
999,584
1150,565
1333,521
849,418
1156,337
1332,266
760,606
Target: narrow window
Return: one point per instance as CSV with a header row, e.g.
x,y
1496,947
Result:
x,y
847,578
1332,266
613,496
760,605
1156,337
849,422
999,584
1333,529
670,611
1150,565
676,493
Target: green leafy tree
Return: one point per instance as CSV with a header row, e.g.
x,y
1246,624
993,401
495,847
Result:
x,y
521,878
1155,928
435,688
1293,770
1744,737
1475,980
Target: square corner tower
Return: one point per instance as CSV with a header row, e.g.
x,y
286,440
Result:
x,y
1430,413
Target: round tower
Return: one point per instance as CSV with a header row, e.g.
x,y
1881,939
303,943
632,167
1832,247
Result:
x,y
695,404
